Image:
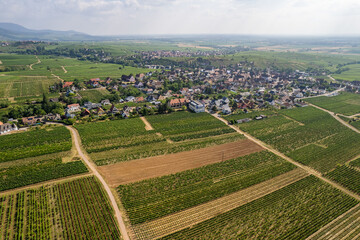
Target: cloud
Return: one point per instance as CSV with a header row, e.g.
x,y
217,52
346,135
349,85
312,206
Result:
x,y
113,17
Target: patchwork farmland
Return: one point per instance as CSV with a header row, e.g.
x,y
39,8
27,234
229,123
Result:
x,y
177,181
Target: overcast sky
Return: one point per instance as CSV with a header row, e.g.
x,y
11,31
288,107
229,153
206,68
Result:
x,y
121,17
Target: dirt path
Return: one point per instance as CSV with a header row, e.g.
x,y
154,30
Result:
x,y
337,118
346,226
306,168
148,126
31,65
56,76
0,62
140,169
63,68
91,165
189,217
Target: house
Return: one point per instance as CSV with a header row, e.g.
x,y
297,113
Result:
x,y
244,120
73,108
105,102
139,99
7,127
114,110
99,111
130,99
52,117
226,109
67,84
95,82
177,102
32,120
197,106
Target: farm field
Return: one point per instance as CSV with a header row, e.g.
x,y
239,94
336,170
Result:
x,y
82,70
154,198
77,209
293,212
36,156
124,140
140,169
50,139
346,176
346,227
307,135
17,60
94,95
345,103
187,125
353,74
24,86
186,218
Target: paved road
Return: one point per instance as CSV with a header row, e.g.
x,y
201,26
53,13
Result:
x,y
92,167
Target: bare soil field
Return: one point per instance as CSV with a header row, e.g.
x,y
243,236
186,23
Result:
x,y
183,219
140,169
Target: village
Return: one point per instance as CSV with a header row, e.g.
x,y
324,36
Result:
x,y
221,90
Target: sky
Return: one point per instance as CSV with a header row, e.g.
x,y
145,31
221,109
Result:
x,y
150,17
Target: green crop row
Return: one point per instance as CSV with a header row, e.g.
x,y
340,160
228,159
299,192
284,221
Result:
x,y
293,212
154,198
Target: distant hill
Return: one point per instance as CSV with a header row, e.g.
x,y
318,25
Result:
x,y
11,31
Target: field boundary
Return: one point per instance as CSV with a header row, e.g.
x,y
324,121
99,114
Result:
x,y
148,126
189,217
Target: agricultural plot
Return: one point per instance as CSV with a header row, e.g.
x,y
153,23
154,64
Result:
x,y
158,197
345,103
24,86
346,227
347,176
94,95
352,74
182,126
140,169
72,210
17,60
123,140
36,156
34,143
307,135
189,217
293,212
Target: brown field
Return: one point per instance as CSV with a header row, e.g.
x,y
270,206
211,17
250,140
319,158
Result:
x,y
175,222
140,169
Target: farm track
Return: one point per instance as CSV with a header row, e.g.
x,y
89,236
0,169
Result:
x,y
148,126
56,76
189,217
92,167
336,117
140,169
346,226
306,168
63,68
38,62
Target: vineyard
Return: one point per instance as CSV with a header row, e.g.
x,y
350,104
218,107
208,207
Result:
x,y
70,210
182,126
124,140
308,135
158,197
38,171
293,212
34,143
347,176
345,103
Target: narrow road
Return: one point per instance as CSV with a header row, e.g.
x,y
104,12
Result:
x,y
56,76
306,168
92,167
63,68
325,94
38,61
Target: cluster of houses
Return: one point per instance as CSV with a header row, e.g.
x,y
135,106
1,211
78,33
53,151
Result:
x,y
7,127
